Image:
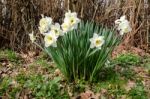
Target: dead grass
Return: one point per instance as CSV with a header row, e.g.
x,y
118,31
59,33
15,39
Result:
x,y
20,17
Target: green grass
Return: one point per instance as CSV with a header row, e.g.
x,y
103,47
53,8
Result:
x,y
43,87
4,85
39,85
39,81
146,63
138,92
127,59
8,54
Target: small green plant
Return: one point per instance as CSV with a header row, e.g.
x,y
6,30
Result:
x,y
127,59
39,86
12,86
108,73
138,92
128,73
80,86
117,91
4,85
42,62
42,87
109,78
9,54
21,78
146,63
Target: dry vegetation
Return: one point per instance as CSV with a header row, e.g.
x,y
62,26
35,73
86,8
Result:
x,y
20,17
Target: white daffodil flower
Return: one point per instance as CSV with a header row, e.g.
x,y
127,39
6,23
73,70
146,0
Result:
x,y
65,27
44,24
71,18
118,21
123,25
50,39
32,38
70,21
97,41
43,29
56,29
69,14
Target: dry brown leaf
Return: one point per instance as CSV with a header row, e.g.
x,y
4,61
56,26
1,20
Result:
x,y
129,85
57,72
86,95
103,91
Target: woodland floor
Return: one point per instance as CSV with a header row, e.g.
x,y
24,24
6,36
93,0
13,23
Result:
x,y
34,76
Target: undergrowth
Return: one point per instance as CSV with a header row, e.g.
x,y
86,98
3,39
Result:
x,y
37,82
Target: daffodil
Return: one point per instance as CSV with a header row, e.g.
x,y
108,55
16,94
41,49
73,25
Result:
x,y
70,21
44,24
71,18
65,27
43,29
97,41
122,18
123,25
69,14
32,38
56,29
50,39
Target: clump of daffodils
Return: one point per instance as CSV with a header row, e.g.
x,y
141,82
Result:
x,y
52,31
82,53
123,25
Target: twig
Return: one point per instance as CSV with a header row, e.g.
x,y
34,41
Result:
x,y
95,11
